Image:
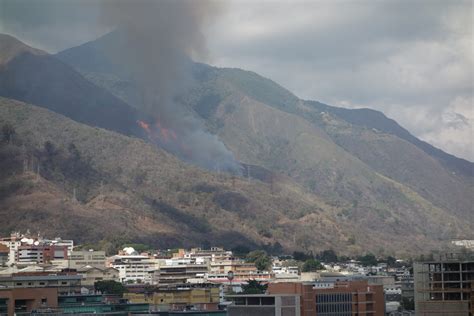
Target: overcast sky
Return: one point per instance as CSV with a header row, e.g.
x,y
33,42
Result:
x,y
413,60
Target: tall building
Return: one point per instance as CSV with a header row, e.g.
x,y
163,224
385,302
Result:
x,y
444,286
264,305
340,298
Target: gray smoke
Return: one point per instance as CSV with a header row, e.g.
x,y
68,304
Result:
x,y
160,38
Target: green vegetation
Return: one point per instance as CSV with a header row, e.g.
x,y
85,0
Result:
x,y
254,287
368,260
312,265
327,256
110,287
8,131
261,259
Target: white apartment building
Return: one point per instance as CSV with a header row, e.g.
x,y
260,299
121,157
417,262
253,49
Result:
x,y
12,242
136,268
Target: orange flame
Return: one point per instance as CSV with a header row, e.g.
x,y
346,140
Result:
x,y
160,133
145,126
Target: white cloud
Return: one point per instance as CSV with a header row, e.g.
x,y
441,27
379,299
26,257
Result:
x,y
411,59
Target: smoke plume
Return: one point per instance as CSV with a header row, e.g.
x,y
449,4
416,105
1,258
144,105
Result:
x,y
160,38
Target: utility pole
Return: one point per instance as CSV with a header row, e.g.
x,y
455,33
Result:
x,y
271,184
38,171
25,165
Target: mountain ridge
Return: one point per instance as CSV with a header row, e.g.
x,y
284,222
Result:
x,y
344,183
151,196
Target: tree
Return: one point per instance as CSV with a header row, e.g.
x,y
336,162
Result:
x,y
110,287
49,148
368,260
8,132
301,256
74,152
261,259
391,261
312,265
328,256
240,251
254,287
407,304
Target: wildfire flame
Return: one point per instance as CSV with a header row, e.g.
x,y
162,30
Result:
x,y
144,126
158,133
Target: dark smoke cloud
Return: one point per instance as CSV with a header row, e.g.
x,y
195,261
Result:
x,y
157,40
160,38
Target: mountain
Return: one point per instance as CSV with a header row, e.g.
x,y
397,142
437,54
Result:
x,y
34,76
314,176
10,47
63,177
332,151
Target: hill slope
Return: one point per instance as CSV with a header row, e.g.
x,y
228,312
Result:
x,y
149,195
30,75
337,153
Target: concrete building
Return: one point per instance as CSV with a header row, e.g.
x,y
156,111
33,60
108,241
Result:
x,y
65,282
336,298
4,254
12,242
179,297
82,258
181,273
264,305
47,301
31,254
444,286
26,249
90,275
14,301
136,269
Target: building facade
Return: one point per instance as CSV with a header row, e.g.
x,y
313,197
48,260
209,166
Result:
x,y
340,298
444,286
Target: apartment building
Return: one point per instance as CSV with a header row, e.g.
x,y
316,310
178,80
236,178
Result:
x,y
444,286
202,297
338,298
136,268
175,273
91,275
264,305
92,258
36,253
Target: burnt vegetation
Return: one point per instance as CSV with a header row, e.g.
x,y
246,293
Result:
x,y
66,167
